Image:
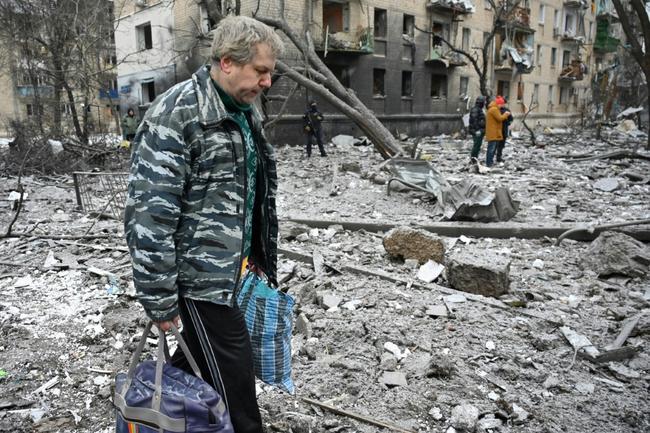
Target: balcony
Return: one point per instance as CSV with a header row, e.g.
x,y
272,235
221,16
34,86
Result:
x,y
604,42
576,4
438,57
356,43
28,91
456,7
518,19
571,37
573,72
519,59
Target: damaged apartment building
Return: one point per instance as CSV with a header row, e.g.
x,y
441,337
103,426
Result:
x,y
393,54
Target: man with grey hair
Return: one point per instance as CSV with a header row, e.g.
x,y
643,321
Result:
x,y
201,208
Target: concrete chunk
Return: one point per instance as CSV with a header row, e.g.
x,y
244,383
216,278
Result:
x,y
614,253
408,243
393,378
464,417
483,273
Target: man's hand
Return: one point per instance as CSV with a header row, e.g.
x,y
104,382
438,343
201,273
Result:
x,y
307,128
167,324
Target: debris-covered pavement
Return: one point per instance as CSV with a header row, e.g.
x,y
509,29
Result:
x,y
392,330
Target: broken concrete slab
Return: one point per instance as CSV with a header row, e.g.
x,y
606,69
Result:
x,y
579,342
393,378
464,417
408,243
436,311
289,231
484,273
614,253
607,184
429,271
343,140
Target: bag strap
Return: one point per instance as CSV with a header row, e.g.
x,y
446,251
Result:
x,y
161,358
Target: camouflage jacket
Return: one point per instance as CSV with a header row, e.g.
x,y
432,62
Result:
x,y
185,208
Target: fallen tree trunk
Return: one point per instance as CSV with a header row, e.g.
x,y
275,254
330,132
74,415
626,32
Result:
x,y
323,82
618,154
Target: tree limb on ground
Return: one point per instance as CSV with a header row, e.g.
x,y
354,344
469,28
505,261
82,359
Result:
x,y
618,154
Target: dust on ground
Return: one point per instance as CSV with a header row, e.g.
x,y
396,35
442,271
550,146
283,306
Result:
x,y
69,322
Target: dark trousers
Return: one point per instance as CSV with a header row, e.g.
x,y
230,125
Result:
x,y
489,156
500,145
219,341
318,135
478,140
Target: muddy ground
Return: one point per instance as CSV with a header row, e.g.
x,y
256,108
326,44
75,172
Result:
x,y
66,327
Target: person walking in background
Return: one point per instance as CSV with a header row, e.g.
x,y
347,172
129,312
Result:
x,y
130,125
506,131
494,127
477,126
312,125
201,209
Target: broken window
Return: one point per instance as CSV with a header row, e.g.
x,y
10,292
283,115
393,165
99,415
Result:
x,y
438,86
143,34
520,91
408,27
569,24
148,91
538,57
503,88
336,16
466,36
566,58
464,84
207,22
381,18
438,31
550,95
407,83
342,73
553,56
34,109
542,14
564,95
378,88
535,98
486,35
556,19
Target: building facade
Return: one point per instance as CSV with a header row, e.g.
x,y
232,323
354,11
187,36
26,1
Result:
x,y
29,82
396,55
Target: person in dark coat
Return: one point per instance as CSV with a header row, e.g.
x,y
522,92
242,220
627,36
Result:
x,y
506,127
312,125
477,125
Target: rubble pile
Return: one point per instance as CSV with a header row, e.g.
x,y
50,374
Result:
x,y
396,328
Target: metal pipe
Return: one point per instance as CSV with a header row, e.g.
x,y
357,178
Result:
x,y
501,230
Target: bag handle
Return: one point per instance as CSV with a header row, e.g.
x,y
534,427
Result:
x,y
160,360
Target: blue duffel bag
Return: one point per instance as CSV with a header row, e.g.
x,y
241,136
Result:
x,y
155,397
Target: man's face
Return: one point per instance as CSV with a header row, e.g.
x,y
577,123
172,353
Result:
x,y
246,81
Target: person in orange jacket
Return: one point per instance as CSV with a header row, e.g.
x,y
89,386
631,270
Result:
x,y
494,127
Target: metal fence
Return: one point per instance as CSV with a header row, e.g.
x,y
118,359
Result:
x,y
101,193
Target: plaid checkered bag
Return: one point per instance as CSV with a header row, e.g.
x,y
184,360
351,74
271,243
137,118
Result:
x,y
269,319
